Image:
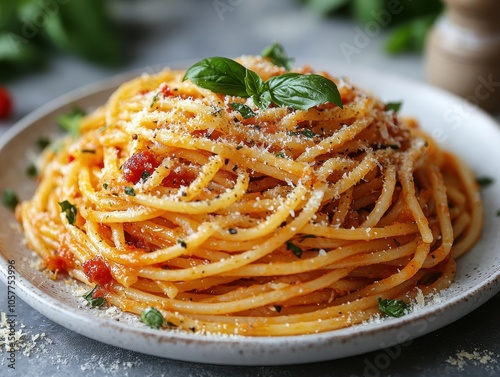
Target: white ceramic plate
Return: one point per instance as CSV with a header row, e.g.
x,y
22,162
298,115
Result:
x,y
473,135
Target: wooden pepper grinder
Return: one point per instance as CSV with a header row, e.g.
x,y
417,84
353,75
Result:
x,y
463,52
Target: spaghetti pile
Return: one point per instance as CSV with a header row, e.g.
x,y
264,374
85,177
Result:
x,y
279,223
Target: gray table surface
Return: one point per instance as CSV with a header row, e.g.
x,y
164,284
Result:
x,y
160,32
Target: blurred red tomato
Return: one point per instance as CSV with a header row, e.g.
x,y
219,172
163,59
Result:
x,y
5,103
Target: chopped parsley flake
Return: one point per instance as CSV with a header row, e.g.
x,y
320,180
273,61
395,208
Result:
x,y
394,106
297,251
307,133
42,143
70,122
31,171
129,191
155,98
152,317
95,302
10,199
484,181
245,111
392,307
70,211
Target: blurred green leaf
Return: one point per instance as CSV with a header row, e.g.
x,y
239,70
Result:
x,y
364,10
8,19
30,28
19,50
408,20
326,6
84,27
412,9
410,35
399,40
70,122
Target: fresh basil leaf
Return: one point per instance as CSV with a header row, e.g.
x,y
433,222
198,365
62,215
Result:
x,y
225,76
10,199
303,91
392,307
257,89
152,317
394,106
263,101
245,111
254,85
70,211
70,122
220,75
277,55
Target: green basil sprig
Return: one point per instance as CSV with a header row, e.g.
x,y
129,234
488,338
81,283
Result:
x,y
225,76
277,55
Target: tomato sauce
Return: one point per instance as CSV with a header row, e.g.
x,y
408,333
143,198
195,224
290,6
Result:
x,y
178,179
62,261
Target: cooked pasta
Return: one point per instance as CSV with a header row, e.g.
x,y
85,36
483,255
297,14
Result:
x,y
285,222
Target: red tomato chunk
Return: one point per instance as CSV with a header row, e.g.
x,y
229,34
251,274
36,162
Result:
x,y
97,271
5,103
166,91
138,164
